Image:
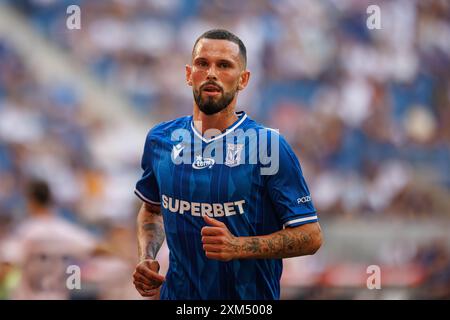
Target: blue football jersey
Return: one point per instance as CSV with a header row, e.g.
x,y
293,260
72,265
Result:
x,y
247,177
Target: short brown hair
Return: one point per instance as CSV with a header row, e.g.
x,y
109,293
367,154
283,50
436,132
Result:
x,y
222,34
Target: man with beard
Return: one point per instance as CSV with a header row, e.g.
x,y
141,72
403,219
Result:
x,y
227,224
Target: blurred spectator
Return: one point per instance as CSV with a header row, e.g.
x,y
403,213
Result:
x,y
45,245
435,259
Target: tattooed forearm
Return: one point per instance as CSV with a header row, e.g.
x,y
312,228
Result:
x,y
236,245
155,236
290,242
150,232
252,245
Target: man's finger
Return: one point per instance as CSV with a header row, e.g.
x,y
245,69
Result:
x,y
214,255
140,278
144,290
144,286
150,274
150,294
212,248
211,231
213,222
211,240
147,293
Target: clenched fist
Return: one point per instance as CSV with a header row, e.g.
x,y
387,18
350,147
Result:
x,y
146,278
218,242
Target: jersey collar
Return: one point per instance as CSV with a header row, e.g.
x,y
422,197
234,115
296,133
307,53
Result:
x,y
242,116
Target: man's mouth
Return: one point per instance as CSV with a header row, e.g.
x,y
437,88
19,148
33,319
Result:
x,y
212,89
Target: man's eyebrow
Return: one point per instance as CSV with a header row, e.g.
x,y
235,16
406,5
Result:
x,y
226,61
199,59
222,60
219,60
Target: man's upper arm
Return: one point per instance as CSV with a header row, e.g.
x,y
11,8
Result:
x,y
147,188
151,208
288,190
310,228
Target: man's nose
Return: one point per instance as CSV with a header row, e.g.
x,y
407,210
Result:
x,y
211,75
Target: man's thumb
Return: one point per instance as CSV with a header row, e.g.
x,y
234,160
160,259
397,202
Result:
x,y
213,222
154,266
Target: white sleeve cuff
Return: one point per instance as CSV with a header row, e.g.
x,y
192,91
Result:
x,y
143,198
306,219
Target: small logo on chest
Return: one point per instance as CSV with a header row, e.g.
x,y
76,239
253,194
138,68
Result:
x,y
202,163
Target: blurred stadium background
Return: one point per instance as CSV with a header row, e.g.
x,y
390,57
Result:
x,y
367,111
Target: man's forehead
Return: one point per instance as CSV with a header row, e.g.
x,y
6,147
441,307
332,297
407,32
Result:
x,y
217,48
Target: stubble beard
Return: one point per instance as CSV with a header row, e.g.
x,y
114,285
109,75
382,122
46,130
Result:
x,y
210,105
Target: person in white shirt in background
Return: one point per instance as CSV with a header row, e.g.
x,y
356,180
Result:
x,y
45,245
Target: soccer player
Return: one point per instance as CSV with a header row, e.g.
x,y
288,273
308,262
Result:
x,y
227,223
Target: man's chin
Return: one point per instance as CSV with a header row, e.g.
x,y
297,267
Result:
x,y
211,108
209,104
209,111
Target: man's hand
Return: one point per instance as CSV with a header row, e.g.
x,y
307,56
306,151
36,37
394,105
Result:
x,y
218,242
146,278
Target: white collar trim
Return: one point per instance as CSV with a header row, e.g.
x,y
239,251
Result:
x,y
244,116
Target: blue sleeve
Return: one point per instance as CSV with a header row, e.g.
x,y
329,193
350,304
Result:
x,y
147,186
288,190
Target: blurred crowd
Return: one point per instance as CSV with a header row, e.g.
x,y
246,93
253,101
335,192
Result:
x,y
367,112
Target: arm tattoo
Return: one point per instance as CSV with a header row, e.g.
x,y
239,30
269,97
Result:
x,y
236,246
150,232
282,244
155,234
253,245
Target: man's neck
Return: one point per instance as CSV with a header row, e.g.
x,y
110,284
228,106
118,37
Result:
x,y
219,121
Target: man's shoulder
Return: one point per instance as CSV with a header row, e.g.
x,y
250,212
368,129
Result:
x,y
272,137
164,129
261,128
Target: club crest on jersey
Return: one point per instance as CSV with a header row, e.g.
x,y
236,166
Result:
x,y
233,155
202,163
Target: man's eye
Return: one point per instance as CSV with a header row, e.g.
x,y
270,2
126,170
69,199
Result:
x,y
224,65
202,63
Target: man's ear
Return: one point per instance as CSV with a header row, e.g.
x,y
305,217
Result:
x,y
188,75
243,79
